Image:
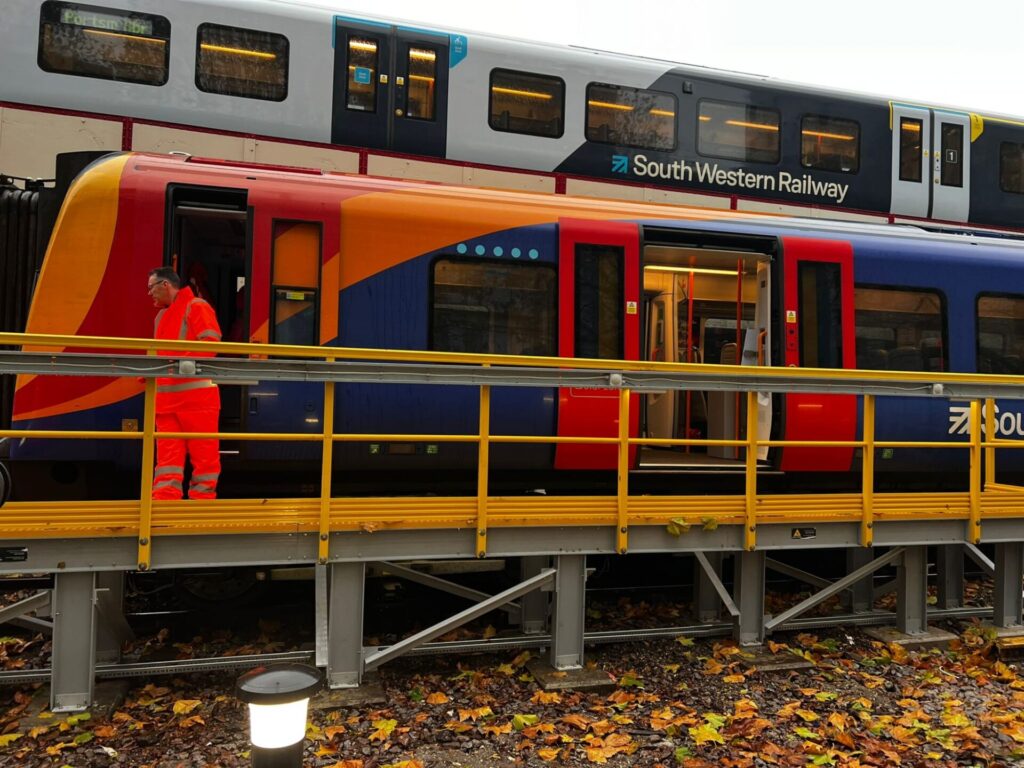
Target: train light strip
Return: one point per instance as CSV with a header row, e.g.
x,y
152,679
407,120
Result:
x,y
363,45
423,55
755,126
136,38
524,94
693,270
824,135
628,108
914,127
237,51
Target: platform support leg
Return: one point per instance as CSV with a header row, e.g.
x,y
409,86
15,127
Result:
x,y
74,642
707,605
534,604
859,598
912,591
568,612
1009,573
346,594
112,628
949,570
749,580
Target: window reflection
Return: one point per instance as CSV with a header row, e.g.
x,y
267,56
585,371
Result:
x,y
738,132
362,74
631,117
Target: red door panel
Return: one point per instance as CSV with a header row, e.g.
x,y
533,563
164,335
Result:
x,y
808,310
595,412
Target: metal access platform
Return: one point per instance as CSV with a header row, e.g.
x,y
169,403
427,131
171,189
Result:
x,y
88,546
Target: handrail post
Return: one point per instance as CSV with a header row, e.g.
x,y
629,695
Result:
x,y
483,468
145,552
750,515
326,471
622,484
867,523
974,522
990,437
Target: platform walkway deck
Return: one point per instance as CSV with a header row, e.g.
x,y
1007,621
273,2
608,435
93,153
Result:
x,y
88,545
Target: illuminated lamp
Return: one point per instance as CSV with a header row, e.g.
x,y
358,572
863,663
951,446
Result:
x,y
278,697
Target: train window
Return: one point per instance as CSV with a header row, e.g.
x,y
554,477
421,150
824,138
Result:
x,y
631,117
109,43
241,62
952,174
1011,167
899,329
421,96
522,102
493,308
361,84
738,132
296,282
830,143
819,308
911,153
1000,334
599,307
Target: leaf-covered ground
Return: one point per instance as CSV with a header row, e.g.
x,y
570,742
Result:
x,y
672,703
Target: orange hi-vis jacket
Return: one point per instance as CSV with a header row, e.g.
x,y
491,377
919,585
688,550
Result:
x,y
187,319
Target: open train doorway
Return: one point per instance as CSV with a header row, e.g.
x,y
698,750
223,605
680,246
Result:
x,y
209,246
706,300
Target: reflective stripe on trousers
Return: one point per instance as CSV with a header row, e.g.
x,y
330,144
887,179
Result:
x,y
171,452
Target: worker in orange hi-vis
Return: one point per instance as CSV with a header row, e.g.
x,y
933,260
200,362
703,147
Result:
x,y
184,405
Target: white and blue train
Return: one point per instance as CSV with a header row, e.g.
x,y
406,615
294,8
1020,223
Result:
x,y
263,81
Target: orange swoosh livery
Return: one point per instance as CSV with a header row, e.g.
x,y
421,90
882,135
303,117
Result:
x,y
110,232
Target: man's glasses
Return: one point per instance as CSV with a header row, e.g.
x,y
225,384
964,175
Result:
x,y
150,288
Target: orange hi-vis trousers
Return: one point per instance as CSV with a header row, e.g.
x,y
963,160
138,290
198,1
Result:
x,y
170,455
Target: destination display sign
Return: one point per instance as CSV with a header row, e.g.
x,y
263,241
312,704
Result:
x,y
108,22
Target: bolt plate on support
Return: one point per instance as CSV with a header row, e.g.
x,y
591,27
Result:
x,y
761,659
930,638
369,691
551,679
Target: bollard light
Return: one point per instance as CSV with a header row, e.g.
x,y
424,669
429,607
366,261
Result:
x,y
278,697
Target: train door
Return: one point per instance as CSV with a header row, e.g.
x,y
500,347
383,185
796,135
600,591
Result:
x,y
930,163
209,245
951,171
911,151
598,318
708,301
292,318
390,88
818,322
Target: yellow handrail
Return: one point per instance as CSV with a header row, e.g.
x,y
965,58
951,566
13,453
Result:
x,y
985,498
867,523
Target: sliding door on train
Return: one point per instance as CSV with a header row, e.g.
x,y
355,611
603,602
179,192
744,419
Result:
x,y
598,318
819,332
930,163
390,88
704,302
209,245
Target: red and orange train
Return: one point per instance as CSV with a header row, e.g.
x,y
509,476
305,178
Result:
x,y
296,257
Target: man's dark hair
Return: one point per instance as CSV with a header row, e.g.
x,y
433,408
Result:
x,y
168,274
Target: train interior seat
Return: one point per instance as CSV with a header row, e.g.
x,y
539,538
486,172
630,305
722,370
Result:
x,y
931,354
906,359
